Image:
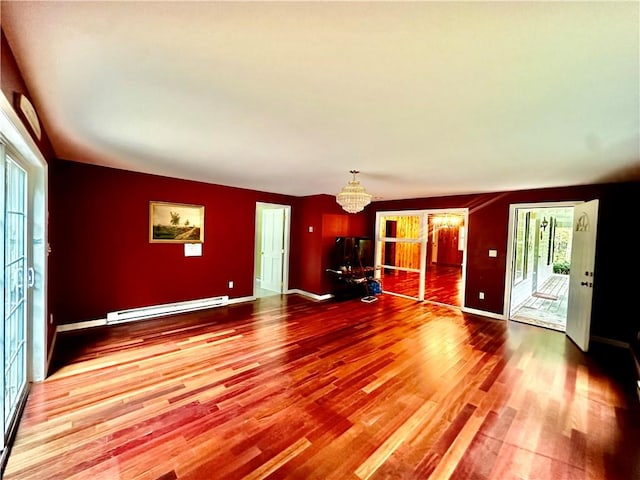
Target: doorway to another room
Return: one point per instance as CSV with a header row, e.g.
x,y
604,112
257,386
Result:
x,y
420,254
271,264
541,261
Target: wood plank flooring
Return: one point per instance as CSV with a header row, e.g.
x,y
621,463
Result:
x,y
443,284
288,388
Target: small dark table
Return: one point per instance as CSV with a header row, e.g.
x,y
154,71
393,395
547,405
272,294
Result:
x,y
350,283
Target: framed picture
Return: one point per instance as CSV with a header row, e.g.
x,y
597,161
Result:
x,y
176,223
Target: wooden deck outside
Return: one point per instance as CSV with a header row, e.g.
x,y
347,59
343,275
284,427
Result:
x,y
547,307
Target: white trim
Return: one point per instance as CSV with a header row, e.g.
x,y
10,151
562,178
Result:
x,y
314,296
286,243
153,311
513,207
423,241
483,313
68,327
18,136
233,301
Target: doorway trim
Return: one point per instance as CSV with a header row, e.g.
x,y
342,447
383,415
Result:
x,y
18,142
16,134
511,240
260,206
422,241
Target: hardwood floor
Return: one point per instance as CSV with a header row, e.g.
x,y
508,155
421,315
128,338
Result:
x,y
288,388
443,284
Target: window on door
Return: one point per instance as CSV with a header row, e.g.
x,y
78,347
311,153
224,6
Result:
x,y
14,356
401,243
522,246
23,256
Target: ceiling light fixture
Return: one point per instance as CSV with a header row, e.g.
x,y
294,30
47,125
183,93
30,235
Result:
x,y
353,197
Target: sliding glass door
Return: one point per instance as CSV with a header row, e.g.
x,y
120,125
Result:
x,y
16,276
23,256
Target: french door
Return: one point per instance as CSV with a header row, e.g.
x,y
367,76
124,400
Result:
x,y
420,254
16,278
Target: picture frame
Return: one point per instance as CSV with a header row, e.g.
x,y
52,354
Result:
x,y
175,222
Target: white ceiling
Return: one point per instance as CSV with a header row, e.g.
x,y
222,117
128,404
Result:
x,y
425,98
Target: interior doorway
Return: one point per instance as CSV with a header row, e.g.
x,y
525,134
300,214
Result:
x,y
421,254
271,259
541,243
446,246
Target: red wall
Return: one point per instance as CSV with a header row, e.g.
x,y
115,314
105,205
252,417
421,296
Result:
x,y
102,260
12,83
101,256
314,249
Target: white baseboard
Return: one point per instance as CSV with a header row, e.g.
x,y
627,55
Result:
x,y
314,296
67,327
241,300
482,313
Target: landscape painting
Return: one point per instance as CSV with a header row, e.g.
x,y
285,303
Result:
x,y
176,223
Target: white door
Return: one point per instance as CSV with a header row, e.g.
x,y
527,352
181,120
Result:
x,y
583,251
16,269
272,249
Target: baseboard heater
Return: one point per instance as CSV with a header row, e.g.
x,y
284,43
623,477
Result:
x,y
166,309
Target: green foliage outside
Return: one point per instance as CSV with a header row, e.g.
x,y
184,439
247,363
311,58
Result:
x,y
562,251
561,267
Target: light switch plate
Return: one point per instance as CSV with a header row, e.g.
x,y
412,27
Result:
x,y
493,253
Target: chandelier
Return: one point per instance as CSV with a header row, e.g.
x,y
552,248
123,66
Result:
x,y
353,197
447,221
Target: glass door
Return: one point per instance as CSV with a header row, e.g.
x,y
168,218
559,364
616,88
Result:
x,y
16,273
400,262
421,254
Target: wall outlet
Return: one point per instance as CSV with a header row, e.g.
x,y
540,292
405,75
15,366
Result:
x,y
51,319
481,295
230,283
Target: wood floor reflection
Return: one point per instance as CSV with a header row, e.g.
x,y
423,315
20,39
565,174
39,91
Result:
x,y
288,388
443,284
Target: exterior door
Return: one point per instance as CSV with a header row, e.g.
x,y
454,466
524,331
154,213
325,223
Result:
x,y
272,248
583,250
16,272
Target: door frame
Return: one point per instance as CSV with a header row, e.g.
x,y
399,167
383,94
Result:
x,y
423,241
19,143
285,246
511,240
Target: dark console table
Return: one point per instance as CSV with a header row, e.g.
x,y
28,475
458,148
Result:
x,y
350,282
